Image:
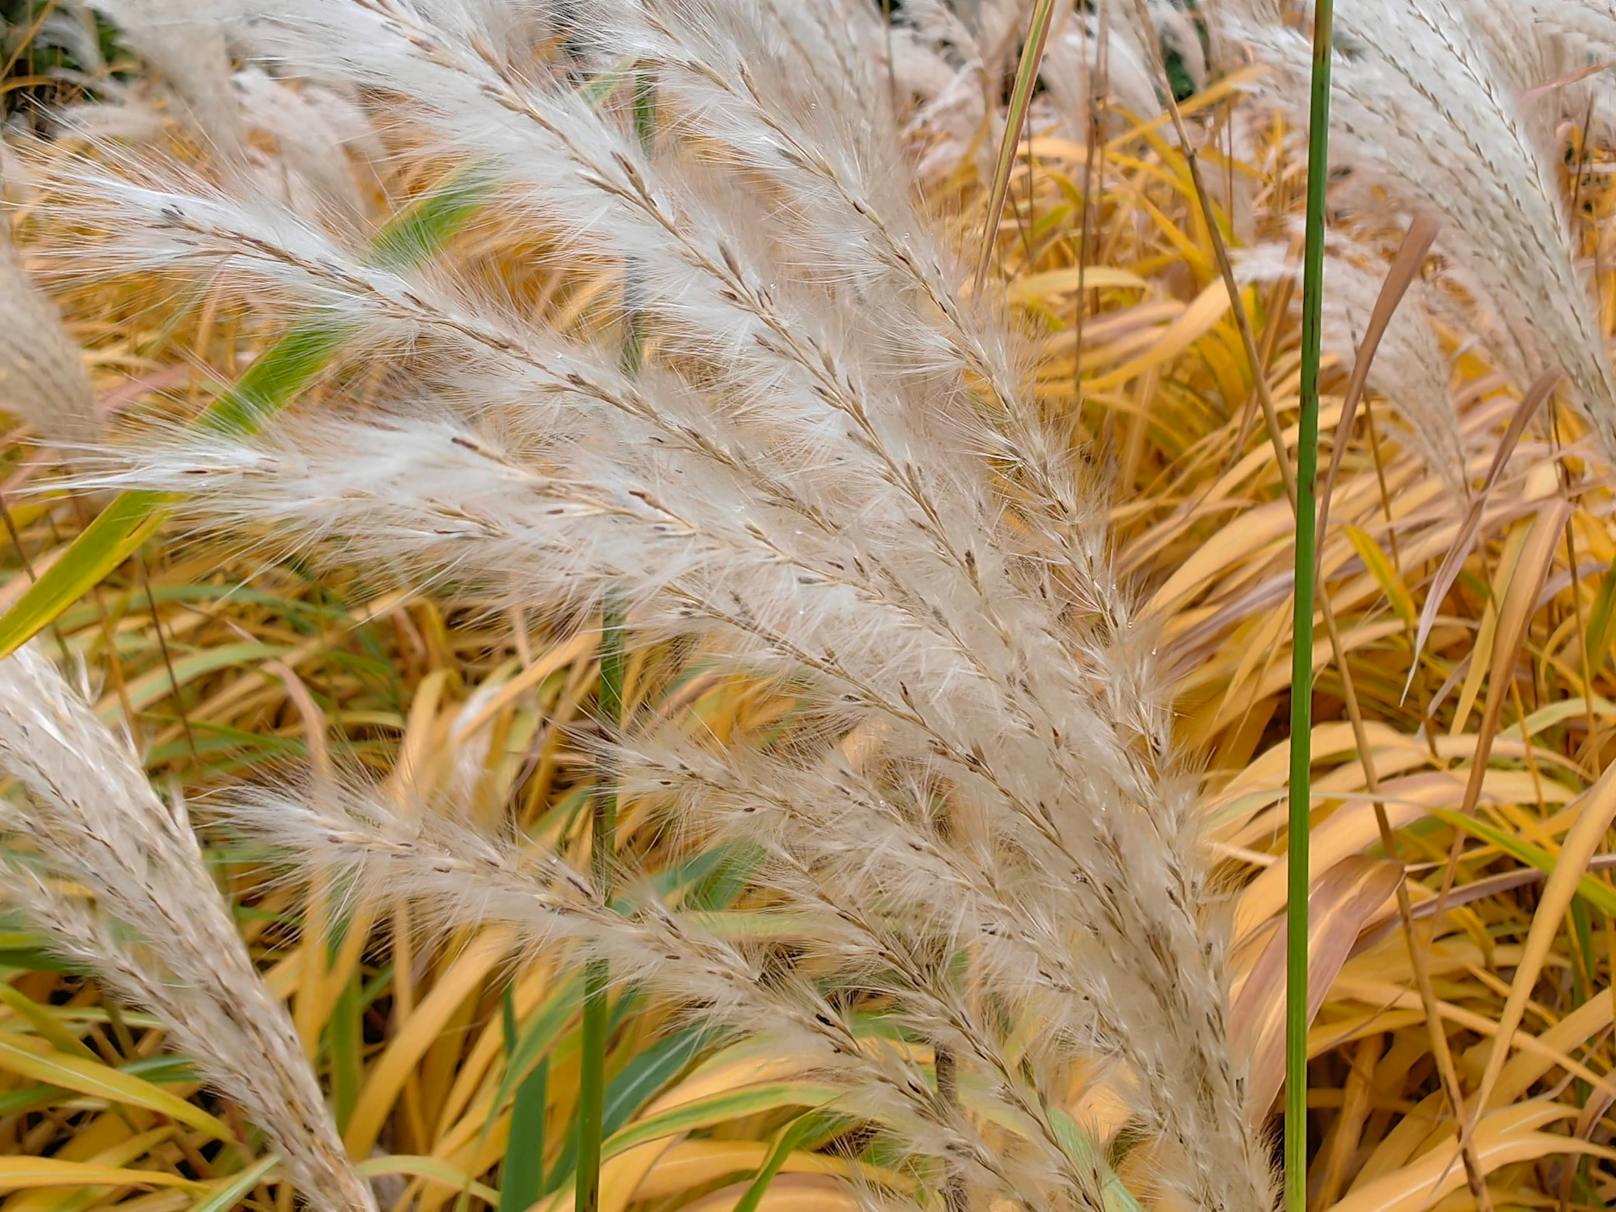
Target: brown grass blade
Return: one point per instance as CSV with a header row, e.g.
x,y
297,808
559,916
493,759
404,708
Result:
x,y
1405,267
1462,542
1342,901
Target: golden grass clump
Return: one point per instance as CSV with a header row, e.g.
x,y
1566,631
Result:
x,y
950,765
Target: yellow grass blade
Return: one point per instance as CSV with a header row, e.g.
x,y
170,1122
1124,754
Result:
x,y
1381,569
1502,1138
22,1173
1340,903
18,1056
432,1169
1594,816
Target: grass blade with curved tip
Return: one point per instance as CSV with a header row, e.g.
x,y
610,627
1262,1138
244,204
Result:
x,y
803,1132
97,1080
1536,396
1405,267
29,1173
284,370
1307,459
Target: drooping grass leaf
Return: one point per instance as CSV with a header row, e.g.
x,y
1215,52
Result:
x,y
272,382
232,1191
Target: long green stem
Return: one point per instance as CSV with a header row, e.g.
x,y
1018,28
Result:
x,y
603,840
597,973
591,1086
1307,458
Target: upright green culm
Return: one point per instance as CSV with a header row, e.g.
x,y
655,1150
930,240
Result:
x,y
1307,458
603,839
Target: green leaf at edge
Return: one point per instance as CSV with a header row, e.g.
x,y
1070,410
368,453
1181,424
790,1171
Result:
x,y
1600,896
285,369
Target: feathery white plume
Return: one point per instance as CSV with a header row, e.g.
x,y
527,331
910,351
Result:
x,y
42,375
831,472
180,39
158,933
1423,103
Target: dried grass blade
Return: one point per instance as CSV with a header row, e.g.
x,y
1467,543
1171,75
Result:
x,y
1344,899
1462,542
1405,267
1514,614
1587,834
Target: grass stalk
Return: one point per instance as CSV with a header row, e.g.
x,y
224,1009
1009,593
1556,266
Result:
x,y
603,838
597,974
1258,361
1307,459
1032,54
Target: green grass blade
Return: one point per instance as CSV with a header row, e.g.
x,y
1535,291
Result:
x,y
799,1134
1597,637
1083,1150
275,379
1595,892
345,1037
235,1189
597,976
272,381
102,545
636,1083
1307,459
522,1176
546,1028
722,1108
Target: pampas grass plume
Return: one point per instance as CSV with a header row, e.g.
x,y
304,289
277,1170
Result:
x,y
155,930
